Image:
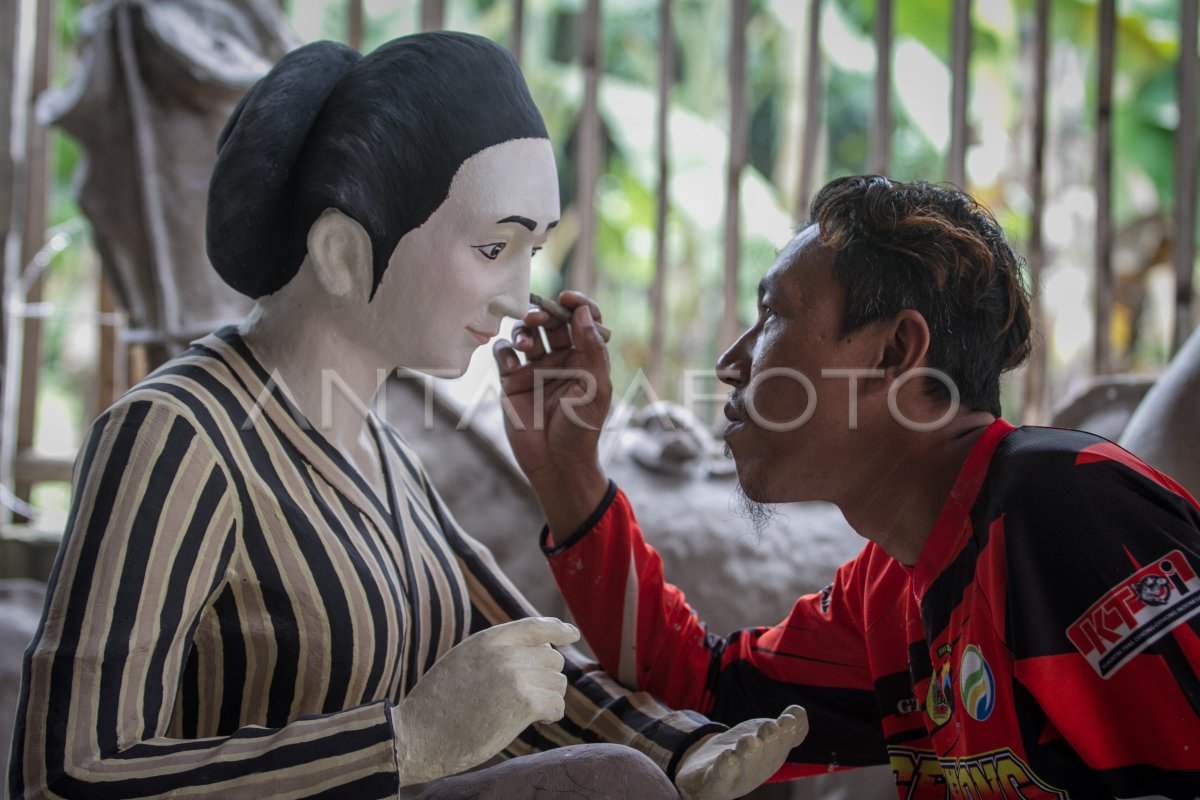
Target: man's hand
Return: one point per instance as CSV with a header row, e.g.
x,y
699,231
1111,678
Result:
x,y
478,696
557,402
730,764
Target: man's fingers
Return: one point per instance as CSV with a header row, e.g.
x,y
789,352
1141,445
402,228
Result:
x,y
570,300
586,335
528,341
507,360
523,378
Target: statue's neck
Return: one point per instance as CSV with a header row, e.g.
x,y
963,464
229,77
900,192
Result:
x,y
332,380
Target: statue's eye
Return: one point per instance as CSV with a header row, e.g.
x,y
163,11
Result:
x,y
490,251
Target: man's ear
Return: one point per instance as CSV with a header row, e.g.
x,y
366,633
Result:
x,y
905,343
340,251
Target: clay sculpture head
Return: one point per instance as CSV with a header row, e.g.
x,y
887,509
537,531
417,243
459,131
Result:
x,y
393,200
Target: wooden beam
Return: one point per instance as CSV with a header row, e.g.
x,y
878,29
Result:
x,y
730,326
1034,411
1102,346
881,127
39,468
111,370
814,100
34,236
588,152
17,24
960,67
354,24
516,32
433,15
666,76
1184,250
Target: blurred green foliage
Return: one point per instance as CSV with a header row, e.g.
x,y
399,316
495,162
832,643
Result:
x,y
1145,114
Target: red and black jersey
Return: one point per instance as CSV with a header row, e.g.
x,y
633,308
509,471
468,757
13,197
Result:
x,y
1045,645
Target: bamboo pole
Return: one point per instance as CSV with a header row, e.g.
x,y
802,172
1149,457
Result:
x,y
33,238
433,15
1102,346
881,127
354,24
588,152
960,65
1184,250
737,161
1034,410
814,96
516,34
666,72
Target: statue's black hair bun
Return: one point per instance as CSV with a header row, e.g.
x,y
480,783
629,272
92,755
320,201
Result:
x,y
249,207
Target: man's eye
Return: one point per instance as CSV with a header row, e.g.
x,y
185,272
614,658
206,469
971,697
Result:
x,y
490,251
766,312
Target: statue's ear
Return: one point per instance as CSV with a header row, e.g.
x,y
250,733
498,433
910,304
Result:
x,y
340,251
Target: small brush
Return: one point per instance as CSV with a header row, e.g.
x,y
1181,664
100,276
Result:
x,y
563,314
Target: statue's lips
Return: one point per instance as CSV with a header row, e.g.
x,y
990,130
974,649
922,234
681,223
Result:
x,y
482,338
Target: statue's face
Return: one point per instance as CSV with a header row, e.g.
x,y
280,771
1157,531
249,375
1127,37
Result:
x,y
438,299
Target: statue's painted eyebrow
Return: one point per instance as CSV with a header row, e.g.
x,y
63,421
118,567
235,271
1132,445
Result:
x,y
526,222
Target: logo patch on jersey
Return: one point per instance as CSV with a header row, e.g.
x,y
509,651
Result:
x,y
939,699
976,684
1136,613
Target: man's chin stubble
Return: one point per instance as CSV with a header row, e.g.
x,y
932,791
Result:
x,y
758,514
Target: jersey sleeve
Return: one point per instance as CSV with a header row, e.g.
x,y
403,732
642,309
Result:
x,y
154,523
643,631
1103,618
598,708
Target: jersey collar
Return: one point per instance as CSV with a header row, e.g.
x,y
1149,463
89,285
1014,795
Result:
x,y
952,526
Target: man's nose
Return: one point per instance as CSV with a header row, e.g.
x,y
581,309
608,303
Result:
x,y
733,366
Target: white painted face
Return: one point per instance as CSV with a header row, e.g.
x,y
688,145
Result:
x,y
438,300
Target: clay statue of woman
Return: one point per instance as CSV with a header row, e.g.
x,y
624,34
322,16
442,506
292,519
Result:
x,y
259,594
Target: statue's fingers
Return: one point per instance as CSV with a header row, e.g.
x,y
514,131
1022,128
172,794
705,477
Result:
x,y
727,768
768,730
748,746
793,722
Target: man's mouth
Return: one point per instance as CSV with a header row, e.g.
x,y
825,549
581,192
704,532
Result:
x,y
733,413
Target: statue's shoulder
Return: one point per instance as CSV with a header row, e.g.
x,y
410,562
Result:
x,y
197,389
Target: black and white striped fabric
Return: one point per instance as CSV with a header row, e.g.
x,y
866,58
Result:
x,y
234,610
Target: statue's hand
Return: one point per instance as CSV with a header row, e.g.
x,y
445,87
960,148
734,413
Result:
x,y
479,696
730,764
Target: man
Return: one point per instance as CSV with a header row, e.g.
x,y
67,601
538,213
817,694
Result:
x,y
1024,620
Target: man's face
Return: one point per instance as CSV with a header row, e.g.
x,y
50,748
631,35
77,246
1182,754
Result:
x,y
787,449
440,297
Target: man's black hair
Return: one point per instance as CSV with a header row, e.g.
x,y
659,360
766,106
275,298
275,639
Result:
x,y
935,249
